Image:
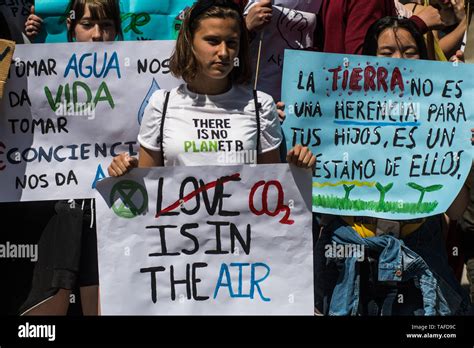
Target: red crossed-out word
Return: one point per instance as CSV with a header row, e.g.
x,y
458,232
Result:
x,y
193,194
280,207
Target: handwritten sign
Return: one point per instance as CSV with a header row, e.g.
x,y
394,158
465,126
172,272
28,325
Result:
x,y
392,136
69,108
141,20
206,240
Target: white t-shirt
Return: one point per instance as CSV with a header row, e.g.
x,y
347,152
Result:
x,y
292,27
210,129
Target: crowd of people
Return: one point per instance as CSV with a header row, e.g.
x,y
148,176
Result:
x,y
214,35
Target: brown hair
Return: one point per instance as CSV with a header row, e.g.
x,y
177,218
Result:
x,y
99,9
183,62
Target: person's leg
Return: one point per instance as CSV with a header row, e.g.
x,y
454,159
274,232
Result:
x,y
57,304
90,300
89,268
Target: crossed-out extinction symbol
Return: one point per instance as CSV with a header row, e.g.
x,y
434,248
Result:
x,y
122,199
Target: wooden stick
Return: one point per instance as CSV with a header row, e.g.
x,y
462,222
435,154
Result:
x,y
257,68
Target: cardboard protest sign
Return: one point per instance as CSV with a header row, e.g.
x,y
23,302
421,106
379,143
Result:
x,y
15,13
206,240
6,53
68,109
392,136
141,20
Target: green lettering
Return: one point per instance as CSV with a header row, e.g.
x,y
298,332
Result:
x,y
54,104
107,97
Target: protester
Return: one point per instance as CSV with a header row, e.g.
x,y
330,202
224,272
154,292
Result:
x,y
90,20
424,281
344,23
211,55
281,24
69,240
454,17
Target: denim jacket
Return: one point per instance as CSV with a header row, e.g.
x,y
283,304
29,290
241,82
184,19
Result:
x,y
441,294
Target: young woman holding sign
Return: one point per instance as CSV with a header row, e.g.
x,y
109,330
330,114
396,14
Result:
x,y
68,245
405,275
214,112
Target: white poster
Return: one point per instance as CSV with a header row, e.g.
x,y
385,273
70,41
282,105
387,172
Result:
x,y
68,109
224,240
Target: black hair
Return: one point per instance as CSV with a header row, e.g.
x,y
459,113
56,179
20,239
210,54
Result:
x,y
371,39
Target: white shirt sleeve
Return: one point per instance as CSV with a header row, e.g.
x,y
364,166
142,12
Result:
x,y
149,135
270,129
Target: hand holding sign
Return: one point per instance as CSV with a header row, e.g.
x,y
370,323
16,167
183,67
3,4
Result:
x,y
33,25
259,16
301,157
122,164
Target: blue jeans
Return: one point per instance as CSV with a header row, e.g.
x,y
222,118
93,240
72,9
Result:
x,y
396,277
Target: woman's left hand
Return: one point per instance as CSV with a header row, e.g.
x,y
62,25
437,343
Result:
x,y
301,156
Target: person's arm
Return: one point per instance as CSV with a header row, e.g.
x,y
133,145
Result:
x,y
452,41
272,156
427,18
360,16
148,158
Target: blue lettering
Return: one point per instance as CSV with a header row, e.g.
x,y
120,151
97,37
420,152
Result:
x,y
88,66
240,265
113,64
228,284
73,147
254,282
72,64
99,175
56,157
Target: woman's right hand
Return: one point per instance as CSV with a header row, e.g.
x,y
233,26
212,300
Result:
x,y
33,24
122,164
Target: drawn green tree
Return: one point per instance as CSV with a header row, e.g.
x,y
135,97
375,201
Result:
x,y
348,190
423,190
383,190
